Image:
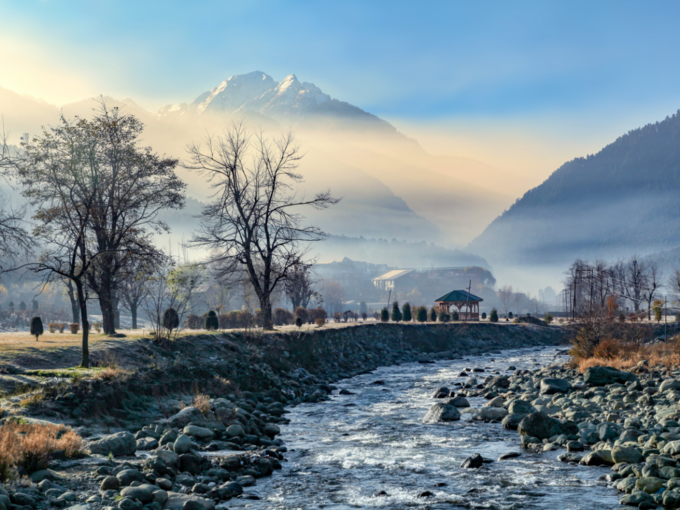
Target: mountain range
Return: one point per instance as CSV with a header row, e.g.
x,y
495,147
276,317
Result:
x,y
620,201
390,187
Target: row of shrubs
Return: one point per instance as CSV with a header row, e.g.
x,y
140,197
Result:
x,y
422,314
245,319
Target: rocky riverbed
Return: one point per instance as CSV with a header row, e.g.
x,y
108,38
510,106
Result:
x,y
193,458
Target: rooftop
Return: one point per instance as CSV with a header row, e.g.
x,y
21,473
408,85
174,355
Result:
x,y
457,296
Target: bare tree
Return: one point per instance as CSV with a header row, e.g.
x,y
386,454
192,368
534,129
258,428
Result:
x,y
635,281
254,222
333,295
136,281
653,283
299,286
14,238
505,295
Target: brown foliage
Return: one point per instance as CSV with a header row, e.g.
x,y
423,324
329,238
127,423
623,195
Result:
x,y
202,403
28,446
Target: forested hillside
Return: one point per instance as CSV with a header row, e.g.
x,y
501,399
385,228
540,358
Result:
x,y
622,200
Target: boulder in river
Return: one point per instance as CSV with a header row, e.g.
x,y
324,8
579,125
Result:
x,y
458,402
629,455
474,461
441,412
539,425
601,376
176,501
441,392
517,406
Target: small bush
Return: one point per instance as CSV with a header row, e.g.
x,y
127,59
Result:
x,y
364,316
319,322
384,315
317,313
36,327
52,327
36,306
282,317
622,318
510,315
29,446
202,402
444,317
483,315
22,306
608,349
493,315
396,313
170,319
298,322
421,314
406,311
192,321
211,322
548,318
61,327
98,326
433,315
455,316
74,327
302,313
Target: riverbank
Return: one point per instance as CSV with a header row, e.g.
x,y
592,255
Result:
x,y
239,383
626,420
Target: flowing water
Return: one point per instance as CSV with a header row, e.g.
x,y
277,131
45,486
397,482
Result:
x,y
343,451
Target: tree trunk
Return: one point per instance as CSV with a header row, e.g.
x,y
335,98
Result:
x,y
133,313
85,362
116,312
75,309
106,305
266,307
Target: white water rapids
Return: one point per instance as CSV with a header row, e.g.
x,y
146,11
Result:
x,y
343,451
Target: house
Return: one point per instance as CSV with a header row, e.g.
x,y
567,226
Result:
x,y
460,299
390,281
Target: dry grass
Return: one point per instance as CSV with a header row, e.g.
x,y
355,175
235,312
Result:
x,y
112,374
32,400
28,446
202,403
625,355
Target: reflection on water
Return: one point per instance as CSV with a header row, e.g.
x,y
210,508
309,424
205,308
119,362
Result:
x,y
345,451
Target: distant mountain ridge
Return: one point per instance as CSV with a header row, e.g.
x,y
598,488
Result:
x,y
625,199
288,100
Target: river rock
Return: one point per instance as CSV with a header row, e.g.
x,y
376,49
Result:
x,y
550,386
441,392
143,493
185,416
441,412
176,501
602,376
458,401
596,458
518,406
119,444
474,461
271,430
627,455
638,499
235,431
127,476
511,421
147,443
109,483
171,459
489,414
199,433
607,431
539,425
669,384
183,444
650,484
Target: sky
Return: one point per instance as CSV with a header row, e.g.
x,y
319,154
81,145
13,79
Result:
x,y
525,84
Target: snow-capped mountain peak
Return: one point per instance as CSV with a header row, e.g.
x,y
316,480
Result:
x,y
258,92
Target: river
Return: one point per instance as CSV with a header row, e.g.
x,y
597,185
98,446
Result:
x,y
345,450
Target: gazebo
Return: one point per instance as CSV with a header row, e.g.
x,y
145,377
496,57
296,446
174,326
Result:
x,y
460,299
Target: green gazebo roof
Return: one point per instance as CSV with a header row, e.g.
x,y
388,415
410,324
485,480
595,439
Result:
x,y
457,296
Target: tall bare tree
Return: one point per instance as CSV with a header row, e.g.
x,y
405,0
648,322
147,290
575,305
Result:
x,y
254,222
653,282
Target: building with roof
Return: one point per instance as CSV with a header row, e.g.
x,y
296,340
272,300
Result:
x,y
389,281
460,299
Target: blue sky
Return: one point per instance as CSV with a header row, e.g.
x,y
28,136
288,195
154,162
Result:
x,y
418,60
522,85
